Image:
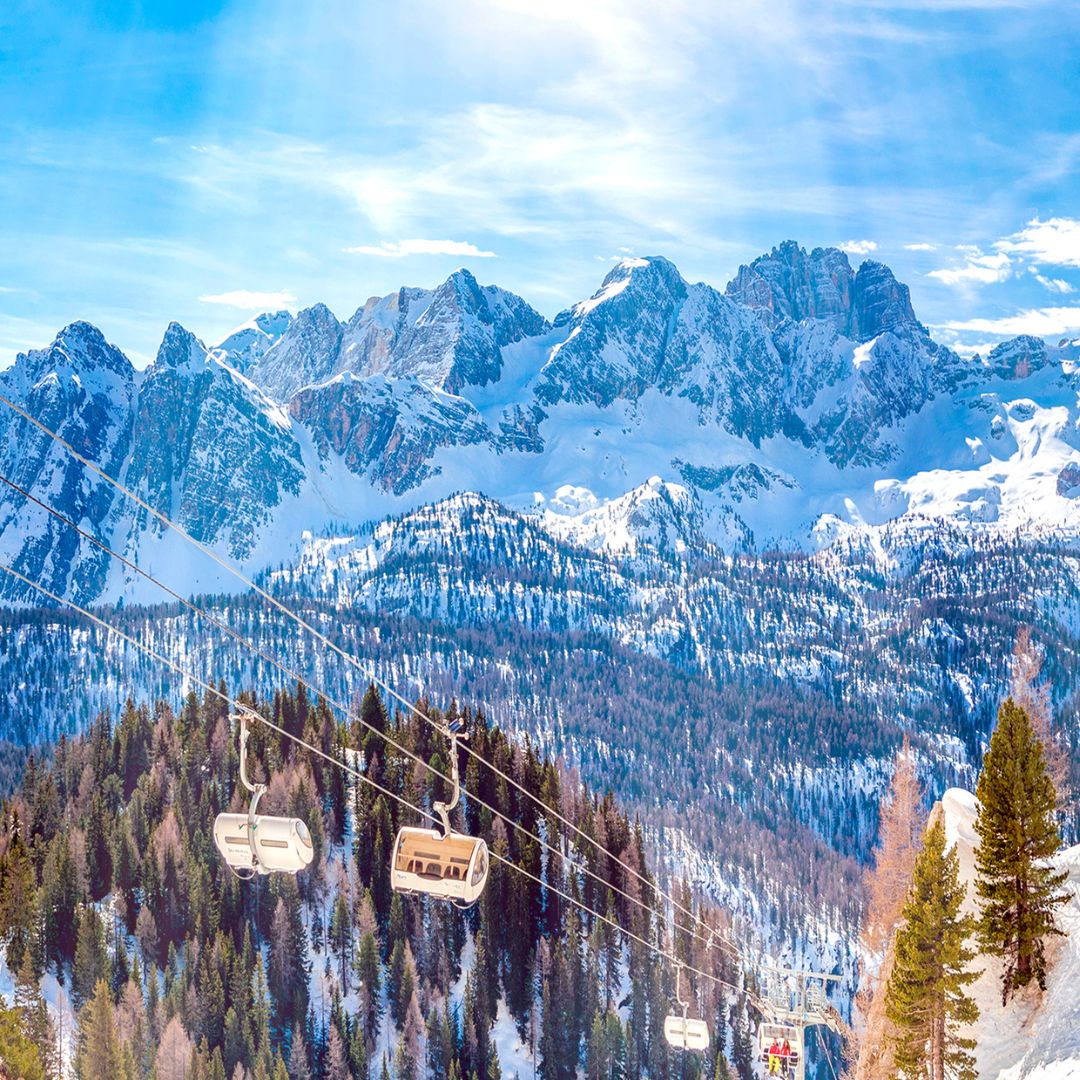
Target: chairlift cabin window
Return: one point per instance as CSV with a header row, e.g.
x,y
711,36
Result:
x,y
453,867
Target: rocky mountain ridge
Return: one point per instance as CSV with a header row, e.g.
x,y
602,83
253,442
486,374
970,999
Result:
x,y
803,402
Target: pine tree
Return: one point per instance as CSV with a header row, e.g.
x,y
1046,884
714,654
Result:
x,y
98,1056
370,979
37,1024
925,999
18,909
17,1052
1017,834
91,957
899,837
341,938
299,1068
337,1060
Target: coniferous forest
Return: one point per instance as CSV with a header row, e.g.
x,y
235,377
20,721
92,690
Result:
x,y
110,884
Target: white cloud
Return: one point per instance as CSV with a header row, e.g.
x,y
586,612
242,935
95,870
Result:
x,y
858,247
920,247
1040,322
249,300
399,249
978,269
1055,241
1056,285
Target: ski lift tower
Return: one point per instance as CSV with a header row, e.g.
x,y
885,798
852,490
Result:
x,y
794,1001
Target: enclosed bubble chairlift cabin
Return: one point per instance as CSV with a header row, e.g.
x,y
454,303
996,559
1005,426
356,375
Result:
x,y
770,1034
254,843
440,862
680,1031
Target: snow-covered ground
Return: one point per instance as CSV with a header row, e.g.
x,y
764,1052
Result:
x,y
1036,1035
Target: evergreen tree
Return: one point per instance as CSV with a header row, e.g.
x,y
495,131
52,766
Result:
x,y
37,1024
1017,835
91,957
341,938
337,1060
18,908
370,979
925,999
17,1052
299,1067
98,1056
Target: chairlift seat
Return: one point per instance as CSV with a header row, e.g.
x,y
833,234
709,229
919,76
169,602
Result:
x,y
686,1034
454,867
282,845
768,1033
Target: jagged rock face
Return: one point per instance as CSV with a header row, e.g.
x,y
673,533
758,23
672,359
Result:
x,y
790,284
723,358
449,338
210,451
1021,357
458,340
618,337
878,302
247,344
387,429
84,389
306,354
367,345
1068,481
748,373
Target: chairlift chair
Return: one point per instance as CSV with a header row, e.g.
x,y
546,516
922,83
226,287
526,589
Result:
x,y
254,843
768,1033
439,862
680,1031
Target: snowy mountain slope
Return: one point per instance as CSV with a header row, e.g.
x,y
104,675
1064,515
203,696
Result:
x,y
306,353
448,338
1036,1034
232,452
85,389
243,347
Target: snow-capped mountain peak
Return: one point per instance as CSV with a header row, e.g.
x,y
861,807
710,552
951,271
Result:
x,y
181,350
244,346
663,516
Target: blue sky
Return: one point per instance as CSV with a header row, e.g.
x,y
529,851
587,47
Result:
x,y
204,160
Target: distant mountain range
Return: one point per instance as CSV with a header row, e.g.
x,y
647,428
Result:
x,y
802,404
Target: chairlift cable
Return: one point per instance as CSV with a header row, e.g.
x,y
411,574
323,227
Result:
x,y
825,1047
290,673
210,688
369,674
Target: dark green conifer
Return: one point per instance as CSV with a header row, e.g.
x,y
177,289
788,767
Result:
x,y
1018,833
925,998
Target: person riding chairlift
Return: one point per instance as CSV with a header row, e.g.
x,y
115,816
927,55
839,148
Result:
x,y
785,1057
774,1058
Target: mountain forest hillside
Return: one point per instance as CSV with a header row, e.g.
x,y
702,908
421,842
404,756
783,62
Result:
x,y
111,888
